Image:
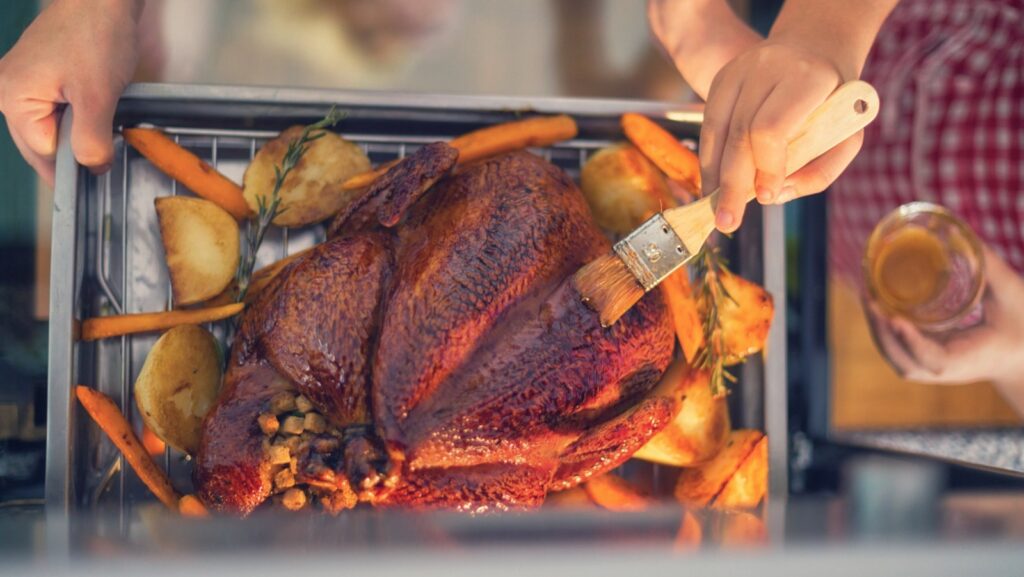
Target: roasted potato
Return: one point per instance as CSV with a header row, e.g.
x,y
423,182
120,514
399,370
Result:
x,y
690,534
700,485
698,432
746,317
682,305
623,188
616,494
575,498
740,529
313,190
201,245
749,483
178,385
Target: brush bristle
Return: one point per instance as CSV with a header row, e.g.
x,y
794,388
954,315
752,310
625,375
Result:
x,y
608,287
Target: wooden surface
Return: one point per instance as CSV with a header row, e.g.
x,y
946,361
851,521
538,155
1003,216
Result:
x,y
868,394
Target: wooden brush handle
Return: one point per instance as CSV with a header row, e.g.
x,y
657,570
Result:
x,y
847,111
844,113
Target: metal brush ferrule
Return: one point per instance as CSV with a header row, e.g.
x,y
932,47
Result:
x,y
652,251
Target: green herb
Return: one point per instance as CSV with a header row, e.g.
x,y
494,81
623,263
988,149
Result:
x,y
709,267
269,210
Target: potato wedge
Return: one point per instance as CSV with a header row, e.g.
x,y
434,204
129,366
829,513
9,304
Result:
x,y
746,317
690,534
749,483
178,385
201,245
685,313
616,494
740,530
575,498
622,187
698,432
699,486
313,190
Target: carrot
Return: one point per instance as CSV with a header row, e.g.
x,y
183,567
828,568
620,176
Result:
x,y
110,420
188,169
366,178
191,506
154,445
664,150
616,494
683,308
509,136
259,281
491,141
117,325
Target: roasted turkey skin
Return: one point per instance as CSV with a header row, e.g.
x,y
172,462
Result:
x,y
449,350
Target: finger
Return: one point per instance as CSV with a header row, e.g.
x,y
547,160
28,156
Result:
x,y
930,355
778,120
36,123
821,172
737,172
722,98
768,150
654,8
888,344
44,167
92,128
1004,284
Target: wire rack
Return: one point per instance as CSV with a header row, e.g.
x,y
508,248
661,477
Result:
x,y
113,259
129,275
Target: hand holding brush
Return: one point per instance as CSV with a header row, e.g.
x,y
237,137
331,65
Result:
x,y
613,283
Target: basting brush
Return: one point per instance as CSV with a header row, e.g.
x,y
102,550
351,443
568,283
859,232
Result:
x,y
613,283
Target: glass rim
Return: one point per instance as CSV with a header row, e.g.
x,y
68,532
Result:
x,y
904,213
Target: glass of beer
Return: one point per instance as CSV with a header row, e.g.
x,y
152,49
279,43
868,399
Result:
x,y
924,264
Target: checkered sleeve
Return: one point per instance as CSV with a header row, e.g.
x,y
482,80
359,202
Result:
x,y
950,74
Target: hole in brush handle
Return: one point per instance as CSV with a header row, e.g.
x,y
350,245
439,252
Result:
x,y
860,106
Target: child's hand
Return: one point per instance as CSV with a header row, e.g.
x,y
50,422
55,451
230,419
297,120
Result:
x,y
755,105
76,52
758,92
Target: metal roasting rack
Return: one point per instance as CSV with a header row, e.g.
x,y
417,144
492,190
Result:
x,y
108,258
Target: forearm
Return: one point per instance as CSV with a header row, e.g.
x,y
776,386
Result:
x,y
840,30
131,8
701,36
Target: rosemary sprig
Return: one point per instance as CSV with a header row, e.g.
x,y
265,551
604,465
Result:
x,y
269,210
709,267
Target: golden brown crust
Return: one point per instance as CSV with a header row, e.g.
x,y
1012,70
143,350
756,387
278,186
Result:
x,y
490,381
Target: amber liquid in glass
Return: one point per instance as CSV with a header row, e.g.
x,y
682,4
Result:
x,y
912,269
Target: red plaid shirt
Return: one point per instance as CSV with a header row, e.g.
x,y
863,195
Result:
x,y
950,74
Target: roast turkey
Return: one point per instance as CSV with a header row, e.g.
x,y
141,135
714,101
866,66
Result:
x,y
439,335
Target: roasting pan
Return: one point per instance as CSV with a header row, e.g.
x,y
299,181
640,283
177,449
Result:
x,y
107,256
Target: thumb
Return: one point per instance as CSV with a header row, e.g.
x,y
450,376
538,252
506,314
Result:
x,y
1003,282
821,172
44,166
92,130
36,126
